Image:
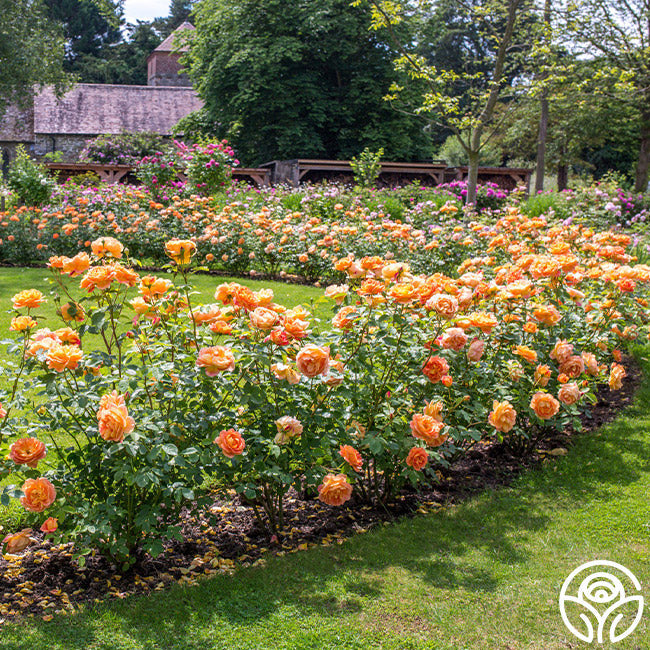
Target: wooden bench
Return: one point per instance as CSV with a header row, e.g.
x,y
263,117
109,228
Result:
x,y
507,178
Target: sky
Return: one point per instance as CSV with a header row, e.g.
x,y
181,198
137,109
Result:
x,y
145,9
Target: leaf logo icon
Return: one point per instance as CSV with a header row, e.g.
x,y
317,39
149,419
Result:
x,y
594,604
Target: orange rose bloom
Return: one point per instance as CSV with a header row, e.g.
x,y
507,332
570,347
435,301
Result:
x,y
231,443
334,490
443,304
573,367
282,371
454,339
404,293
114,419
152,288
76,265
569,393
215,360
125,276
502,416
435,369
485,322
288,428
29,298
616,375
18,541
526,353
417,458
220,327
180,250
352,457
39,494
107,246
27,451
98,277
428,429
72,311
22,323
50,525
434,409
544,405
547,315
296,327
263,318
344,318
542,375
561,351
61,357
312,361
591,363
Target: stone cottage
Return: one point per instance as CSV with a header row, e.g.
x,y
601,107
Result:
x,y
64,124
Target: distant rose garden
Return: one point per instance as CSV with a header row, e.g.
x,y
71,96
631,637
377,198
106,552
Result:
x,y
451,327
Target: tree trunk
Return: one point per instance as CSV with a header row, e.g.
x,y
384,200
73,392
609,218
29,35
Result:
x,y
643,163
562,176
543,119
472,177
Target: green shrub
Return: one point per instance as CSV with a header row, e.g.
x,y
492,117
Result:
x,y
29,180
366,167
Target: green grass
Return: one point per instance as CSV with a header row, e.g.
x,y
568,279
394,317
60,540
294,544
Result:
x,y
483,574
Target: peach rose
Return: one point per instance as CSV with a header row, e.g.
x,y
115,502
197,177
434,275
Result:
x,y
503,416
152,288
454,339
76,265
542,375
288,428
72,311
335,490
29,298
50,525
344,318
572,367
616,375
263,318
107,247
296,327
428,429
561,351
39,494
215,360
544,405
547,315
417,458
98,277
569,393
312,361
22,323
113,418
283,371
61,357
27,451
434,410
352,457
526,353
435,369
403,293
18,541
591,363
231,442
444,305
475,350
180,250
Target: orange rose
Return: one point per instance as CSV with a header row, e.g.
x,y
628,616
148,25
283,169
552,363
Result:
x,y
403,293
544,405
344,318
39,494
50,525
569,394
573,367
526,353
215,360
434,410
561,351
22,323
542,375
282,371
76,265
18,541
113,418
417,458
180,250
72,311
312,361
125,276
454,339
29,298
334,490
444,305
591,363
296,327
435,369
288,428
221,327
616,375
152,288
475,350
428,429
263,318
107,246
27,451
352,457
485,322
231,443
61,357
547,315
98,277
502,416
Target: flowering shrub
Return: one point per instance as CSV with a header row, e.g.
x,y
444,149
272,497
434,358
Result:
x,y
208,165
121,149
29,180
159,173
145,398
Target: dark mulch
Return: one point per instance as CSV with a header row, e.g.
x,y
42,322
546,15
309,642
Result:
x,y
45,580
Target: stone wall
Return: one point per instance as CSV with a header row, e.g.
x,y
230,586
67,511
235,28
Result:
x,y
69,145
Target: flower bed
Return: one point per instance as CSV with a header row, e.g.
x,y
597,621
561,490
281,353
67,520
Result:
x,y
243,394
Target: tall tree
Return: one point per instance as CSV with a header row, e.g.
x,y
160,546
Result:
x,y
618,32
286,80
464,100
31,50
179,12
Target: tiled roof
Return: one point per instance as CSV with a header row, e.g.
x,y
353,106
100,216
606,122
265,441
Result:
x,y
90,109
168,44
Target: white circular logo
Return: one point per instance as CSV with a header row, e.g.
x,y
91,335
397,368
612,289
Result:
x,y
594,602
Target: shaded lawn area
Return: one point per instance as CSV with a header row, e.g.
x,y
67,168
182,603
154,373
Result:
x,y
483,574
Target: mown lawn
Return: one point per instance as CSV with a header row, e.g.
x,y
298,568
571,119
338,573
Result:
x,y
483,574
